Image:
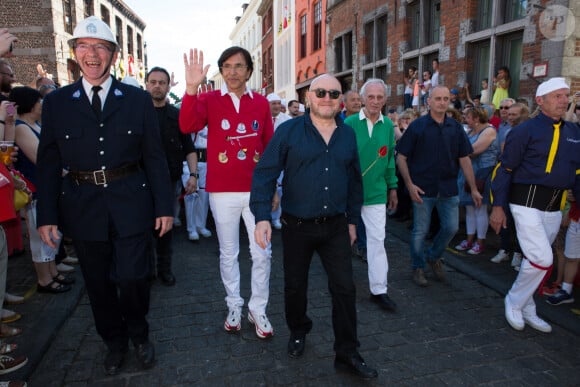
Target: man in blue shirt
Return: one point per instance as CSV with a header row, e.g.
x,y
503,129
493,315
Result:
x,y
317,151
430,154
541,159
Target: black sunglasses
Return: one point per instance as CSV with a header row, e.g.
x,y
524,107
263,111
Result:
x,y
321,93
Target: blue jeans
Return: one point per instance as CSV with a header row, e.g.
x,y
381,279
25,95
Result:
x,y
448,209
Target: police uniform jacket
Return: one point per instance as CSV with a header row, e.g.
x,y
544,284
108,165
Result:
x,y
72,137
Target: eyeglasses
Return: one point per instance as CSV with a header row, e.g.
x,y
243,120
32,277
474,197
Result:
x,y
321,93
11,75
235,68
504,107
99,47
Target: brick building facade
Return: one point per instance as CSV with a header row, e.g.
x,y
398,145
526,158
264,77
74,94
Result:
x,y
43,28
471,39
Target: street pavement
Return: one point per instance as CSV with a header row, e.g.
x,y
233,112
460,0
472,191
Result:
x,y
446,334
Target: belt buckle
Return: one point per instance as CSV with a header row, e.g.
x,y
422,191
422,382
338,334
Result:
x,y
99,177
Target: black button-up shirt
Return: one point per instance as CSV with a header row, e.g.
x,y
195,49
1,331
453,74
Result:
x,y
433,151
319,179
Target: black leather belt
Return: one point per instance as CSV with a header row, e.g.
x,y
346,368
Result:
x,y
201,155
103,176
536,196
318,220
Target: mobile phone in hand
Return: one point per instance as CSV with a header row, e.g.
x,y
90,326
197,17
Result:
x,y
11,110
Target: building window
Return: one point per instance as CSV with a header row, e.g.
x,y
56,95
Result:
x,y
510,55
376,38
267,21
317,32
514,10
68,16
105,16
119,30
139,47
343,52
480,54
415,17
303,36
434,21
129,40
484,10
89,8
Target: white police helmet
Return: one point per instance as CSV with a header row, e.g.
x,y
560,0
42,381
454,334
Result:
x,y
93,27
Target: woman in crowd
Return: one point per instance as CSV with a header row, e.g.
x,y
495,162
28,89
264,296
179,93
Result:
x,y
29,108
484,158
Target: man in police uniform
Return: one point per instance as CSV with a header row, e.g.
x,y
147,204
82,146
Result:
x,y
117,190
534,185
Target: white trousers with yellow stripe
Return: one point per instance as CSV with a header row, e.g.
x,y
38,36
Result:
x,y
536,231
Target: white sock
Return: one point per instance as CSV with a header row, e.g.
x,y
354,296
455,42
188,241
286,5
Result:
x,y
567,287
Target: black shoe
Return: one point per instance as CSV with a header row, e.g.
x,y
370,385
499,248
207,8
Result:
x,y
296,345
356,366
145,354
64,279
113,362
384,301
167,278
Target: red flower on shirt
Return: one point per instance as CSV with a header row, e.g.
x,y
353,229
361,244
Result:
x,y
380,154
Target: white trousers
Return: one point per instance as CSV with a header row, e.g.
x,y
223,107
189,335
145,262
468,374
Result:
x,y
227,207
375,219
197,203
476,220
536,231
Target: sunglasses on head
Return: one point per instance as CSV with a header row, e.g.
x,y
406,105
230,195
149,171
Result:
x,y
321,93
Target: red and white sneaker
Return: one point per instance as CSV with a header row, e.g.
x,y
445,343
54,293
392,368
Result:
x,y
234,320
553,288
464,245
476,249
264,329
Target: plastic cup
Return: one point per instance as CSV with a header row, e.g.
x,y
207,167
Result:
x,y
6,149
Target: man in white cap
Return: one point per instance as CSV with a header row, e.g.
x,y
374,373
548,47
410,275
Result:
x,y
534,186
116,193
278,117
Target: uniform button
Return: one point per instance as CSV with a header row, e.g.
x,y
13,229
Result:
x,y
103,167
102,153
129,132
67,136
101,125
101,139
326,169
144,184
105,185
325,207
326,188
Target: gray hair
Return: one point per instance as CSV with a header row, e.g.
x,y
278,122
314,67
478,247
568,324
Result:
x,y
373,81
507,100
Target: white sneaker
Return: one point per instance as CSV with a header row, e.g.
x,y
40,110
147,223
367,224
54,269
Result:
x,y
12,299
536,322
517,261
64,268
204,232
263,327
276,224
513,316
234,320
501,256
70,260
193,236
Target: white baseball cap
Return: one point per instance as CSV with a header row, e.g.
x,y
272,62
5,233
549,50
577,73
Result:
x,y
273,97
551,85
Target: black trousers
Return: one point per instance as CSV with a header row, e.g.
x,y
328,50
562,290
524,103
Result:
x,y
116,274
331,241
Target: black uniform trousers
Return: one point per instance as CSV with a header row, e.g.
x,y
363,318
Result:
x,y
116,274
330,239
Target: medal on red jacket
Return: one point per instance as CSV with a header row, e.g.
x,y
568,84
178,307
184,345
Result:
x,y
241,128
242,154
222,157
256,156
225,124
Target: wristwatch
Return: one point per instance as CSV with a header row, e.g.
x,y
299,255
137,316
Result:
x,y
194,174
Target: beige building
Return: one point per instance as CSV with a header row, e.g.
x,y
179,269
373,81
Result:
x,y
43,28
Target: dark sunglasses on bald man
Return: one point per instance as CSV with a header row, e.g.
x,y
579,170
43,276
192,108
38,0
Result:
x,y
321,93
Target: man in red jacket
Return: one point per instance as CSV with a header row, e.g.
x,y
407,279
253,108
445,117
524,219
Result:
x,y
239,128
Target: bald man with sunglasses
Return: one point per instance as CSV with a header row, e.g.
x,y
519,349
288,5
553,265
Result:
x,y
319,151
